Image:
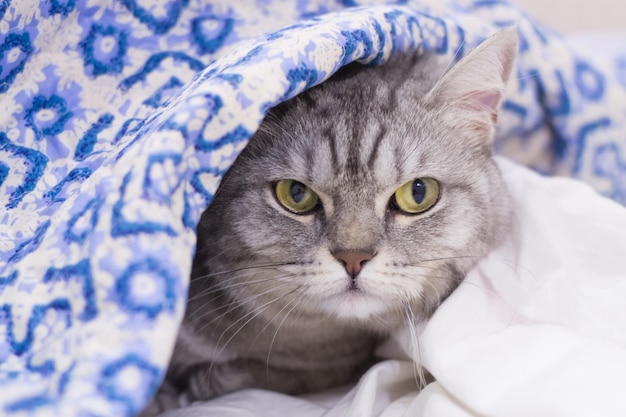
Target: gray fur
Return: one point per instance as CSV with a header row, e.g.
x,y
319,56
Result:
x,y
269,306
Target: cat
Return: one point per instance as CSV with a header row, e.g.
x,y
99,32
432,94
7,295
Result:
x,y
357,208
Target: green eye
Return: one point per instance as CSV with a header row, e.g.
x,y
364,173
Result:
x,y
295,196
417,196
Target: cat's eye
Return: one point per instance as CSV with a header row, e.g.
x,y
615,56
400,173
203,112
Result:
x,y
416,196
295,196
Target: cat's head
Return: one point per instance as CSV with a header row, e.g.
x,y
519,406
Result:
x,y
366,197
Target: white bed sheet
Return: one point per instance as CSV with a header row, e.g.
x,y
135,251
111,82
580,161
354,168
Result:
x,y
537,329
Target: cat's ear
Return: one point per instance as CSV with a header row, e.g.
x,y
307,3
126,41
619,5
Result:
x,y
475,85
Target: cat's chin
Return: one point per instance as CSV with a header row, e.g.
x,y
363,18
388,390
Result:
x,y
355,305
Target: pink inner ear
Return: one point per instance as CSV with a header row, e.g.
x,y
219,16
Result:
x,y
483,101
488,100
477,82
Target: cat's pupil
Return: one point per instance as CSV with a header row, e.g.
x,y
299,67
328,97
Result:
x,y
297,191
419,191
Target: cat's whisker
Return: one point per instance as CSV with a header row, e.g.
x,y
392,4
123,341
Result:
x,y
431,268
209,248
508,263
222,288
269,323
251,316
269,352
413,275
511,264
231,306
445,278
528,76
200,313
449,258
245,268
418,369
437,299
259,310
452,60
244,275
514,265
254,314
463,282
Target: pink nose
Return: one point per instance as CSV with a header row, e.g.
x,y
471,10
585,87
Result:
x,y
353,261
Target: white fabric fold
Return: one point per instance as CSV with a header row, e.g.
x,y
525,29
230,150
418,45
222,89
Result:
x,y
537,329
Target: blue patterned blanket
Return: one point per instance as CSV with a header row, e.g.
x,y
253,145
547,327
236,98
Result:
x,y
118,119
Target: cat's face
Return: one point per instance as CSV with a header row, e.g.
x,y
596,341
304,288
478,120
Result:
x,y
367,198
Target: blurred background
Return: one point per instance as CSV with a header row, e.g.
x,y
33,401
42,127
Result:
x,y
573,16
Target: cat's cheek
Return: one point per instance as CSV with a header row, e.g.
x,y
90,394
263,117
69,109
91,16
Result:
x,y
407,222
273,233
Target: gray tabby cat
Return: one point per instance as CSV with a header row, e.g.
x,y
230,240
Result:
x,y
357,208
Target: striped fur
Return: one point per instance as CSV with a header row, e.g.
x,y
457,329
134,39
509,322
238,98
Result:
x,y
270,306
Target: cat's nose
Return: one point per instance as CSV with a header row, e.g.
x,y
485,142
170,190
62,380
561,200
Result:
x,y
353,261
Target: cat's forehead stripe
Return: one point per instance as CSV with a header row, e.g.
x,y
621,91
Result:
x,y
329,137
374,152
354,138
